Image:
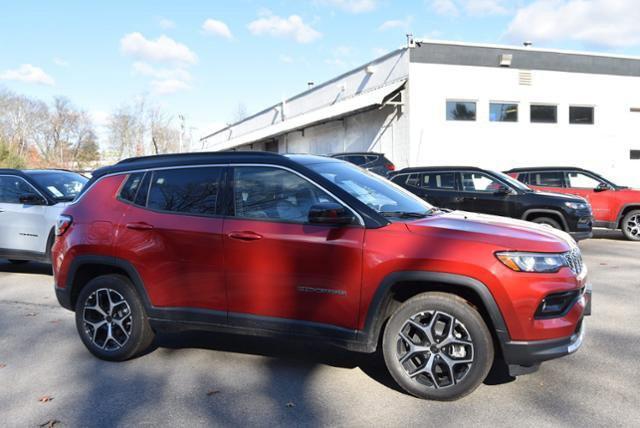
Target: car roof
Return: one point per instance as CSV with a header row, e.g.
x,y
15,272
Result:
x,y
203,158
546,168
438,168
355,153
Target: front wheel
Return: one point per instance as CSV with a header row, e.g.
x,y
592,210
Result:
x,y
631,225
437,346
111,319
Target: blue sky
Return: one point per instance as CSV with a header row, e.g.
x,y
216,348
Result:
x,y
203,59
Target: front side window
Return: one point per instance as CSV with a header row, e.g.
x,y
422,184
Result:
x,y
546,179
267,193
62,186
581,115
503,112
374,191
479,182
189,190
439,180
461,110
580,180
544,114
12,187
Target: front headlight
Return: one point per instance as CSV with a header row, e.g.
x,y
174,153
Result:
x,y
532,262
576,205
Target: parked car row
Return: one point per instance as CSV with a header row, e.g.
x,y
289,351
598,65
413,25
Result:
x,y
567,198
315,249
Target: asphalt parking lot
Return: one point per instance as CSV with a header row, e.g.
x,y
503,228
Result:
x,y
198,379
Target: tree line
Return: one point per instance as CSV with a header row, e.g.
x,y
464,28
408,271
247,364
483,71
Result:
x,y
36,134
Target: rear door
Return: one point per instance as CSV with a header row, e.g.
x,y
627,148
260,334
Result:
x,y
172,233
22,226
438,188
548,181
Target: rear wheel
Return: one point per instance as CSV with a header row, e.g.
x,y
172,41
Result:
x,y
437,346
631,225
549,221
111,319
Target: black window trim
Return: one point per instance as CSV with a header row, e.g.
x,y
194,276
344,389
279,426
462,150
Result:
x,y
537,171
225,186
487,173
29,184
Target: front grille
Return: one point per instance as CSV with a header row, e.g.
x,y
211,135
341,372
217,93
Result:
x,y
574,260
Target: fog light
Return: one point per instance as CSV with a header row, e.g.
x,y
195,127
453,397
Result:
x,y
557,304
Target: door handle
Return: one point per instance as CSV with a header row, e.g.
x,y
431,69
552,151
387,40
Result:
x,y
458,199
245,236
139,226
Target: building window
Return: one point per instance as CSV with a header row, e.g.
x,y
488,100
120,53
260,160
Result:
x,y
634,154
503,112
581,115
461,110
544,113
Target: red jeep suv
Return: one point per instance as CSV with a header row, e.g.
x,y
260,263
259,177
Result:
x,y
314,249
614,207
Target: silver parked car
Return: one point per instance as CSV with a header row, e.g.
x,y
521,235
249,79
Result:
x,y
30,201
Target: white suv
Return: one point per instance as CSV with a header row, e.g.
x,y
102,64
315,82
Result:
x,y
30,201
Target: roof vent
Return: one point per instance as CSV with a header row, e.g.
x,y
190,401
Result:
x,y
505,60
525,78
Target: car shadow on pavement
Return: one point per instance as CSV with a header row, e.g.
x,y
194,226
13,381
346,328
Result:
x,y
27,267
612,235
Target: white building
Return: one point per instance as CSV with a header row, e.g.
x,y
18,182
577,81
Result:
x,y
439,103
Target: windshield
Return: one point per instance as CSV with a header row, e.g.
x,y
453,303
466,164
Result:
x,y
376,192
62,186
512,181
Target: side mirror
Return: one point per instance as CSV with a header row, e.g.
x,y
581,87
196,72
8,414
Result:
x,y
503,191
330,213
31,199
602,187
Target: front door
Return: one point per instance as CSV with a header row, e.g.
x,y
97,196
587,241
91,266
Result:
x,y
481,193
280,267
22,226
171,232
582,184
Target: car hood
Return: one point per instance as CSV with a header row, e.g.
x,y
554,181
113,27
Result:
x,y
503,232
565,197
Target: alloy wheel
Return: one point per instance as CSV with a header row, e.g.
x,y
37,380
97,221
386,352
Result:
x,y
633,226
107,319
435,349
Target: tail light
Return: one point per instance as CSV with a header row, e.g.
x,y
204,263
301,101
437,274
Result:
x,y
62,224
390,166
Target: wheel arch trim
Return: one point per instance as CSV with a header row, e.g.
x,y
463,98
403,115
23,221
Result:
x,y
527,213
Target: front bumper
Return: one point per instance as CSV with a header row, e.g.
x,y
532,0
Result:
x,y
529,354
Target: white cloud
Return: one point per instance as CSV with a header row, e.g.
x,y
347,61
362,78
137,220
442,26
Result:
x,y
168,86
394,24
60,62
598,23
161,49
216,28
292,27
28,73
166,24
353,6
143,69
470,7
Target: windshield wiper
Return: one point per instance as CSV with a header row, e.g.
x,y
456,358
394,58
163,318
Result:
x,y
404,214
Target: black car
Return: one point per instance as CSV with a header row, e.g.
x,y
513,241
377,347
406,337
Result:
x,y
477,190
374,162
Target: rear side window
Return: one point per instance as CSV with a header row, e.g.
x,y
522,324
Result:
x,y
357,159
188,190
439,180
523,177
546,179
131,186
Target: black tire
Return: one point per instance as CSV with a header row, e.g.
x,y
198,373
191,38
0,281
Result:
x,y
18,262
548,220
468,323
128,313
631,225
